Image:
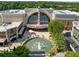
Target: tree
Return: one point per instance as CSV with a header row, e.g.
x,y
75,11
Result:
x,y
43,4
56,26
21,51
60,41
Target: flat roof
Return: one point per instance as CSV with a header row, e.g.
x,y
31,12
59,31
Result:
x,y
5,27
13,11
2,29
13,25
22,11
2,40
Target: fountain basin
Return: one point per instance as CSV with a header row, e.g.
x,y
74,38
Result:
x,y
39,44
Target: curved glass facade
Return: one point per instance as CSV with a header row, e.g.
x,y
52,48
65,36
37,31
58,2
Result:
x,y
33,19
44,19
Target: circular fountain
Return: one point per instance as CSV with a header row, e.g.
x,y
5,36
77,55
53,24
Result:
x,y
38,45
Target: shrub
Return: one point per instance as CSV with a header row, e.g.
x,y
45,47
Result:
x,y
53,51
55,28
60,41
20,51
71,54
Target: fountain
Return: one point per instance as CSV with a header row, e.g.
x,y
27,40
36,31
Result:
x,y
39,46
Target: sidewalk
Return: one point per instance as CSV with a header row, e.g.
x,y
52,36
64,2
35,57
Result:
x,y
60,54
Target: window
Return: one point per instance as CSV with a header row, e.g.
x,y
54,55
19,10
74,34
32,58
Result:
x,y
44,19
12,31
2,35
33,19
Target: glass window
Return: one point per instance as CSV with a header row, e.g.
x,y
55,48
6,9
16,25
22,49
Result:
x,y
44,19
33,19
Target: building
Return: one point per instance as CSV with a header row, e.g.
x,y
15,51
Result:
x,y
8,32
11,25
14,22
39,17
74,42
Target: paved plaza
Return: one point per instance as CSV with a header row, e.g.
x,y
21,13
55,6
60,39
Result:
x,y
19,41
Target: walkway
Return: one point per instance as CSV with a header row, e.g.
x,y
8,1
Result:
x,y
16,43
42,34
19,41
60,54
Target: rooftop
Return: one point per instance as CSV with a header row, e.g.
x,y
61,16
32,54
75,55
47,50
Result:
x,y
76,23
64,12
2,40
22,11
5,26
14,11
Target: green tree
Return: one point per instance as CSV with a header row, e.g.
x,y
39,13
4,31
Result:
x,y
21,51
56,26
60,41
43,4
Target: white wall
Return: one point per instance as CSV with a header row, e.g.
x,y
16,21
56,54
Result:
x,y
13,18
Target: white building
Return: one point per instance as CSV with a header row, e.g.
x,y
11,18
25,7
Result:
x,y
14,22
